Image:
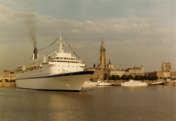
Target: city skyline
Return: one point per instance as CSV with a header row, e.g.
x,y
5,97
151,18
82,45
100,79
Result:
x,y
134,32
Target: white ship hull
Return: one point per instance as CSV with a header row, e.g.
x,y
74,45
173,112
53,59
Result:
x,y
68,81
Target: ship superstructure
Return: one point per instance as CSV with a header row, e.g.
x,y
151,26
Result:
x,y
56,71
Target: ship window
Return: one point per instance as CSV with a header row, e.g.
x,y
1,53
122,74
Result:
x,y
61,58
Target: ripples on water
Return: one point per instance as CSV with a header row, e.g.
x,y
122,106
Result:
x,y
151,103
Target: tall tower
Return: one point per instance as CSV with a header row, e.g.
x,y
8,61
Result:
x,y
102,63
166,66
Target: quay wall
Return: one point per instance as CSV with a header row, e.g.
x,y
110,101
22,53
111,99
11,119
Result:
x,y
166,83
7,84
170,83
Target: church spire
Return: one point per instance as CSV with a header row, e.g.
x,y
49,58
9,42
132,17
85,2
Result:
x,y
102,63
102,45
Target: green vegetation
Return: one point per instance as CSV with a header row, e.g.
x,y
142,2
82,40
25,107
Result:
x,y
124,77
92,80
129,77
137,77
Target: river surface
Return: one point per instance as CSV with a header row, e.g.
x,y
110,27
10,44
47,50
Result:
x,y
115,103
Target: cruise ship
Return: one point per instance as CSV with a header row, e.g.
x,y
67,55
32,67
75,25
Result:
x,y
56,71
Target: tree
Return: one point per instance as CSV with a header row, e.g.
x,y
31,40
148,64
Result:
x,y
137,77
129,77
146,77
118,77
105,78
114,77
124,77
141,77
155,77
92,80
110,78
151,77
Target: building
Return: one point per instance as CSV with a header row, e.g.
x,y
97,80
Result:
x,y
110,66
102,63
172,73
101,71
104,70
135,71
166,66
117,72
159,74
166,72
130,71
7,75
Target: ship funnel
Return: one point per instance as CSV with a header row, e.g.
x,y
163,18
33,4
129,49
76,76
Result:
x,y
35,53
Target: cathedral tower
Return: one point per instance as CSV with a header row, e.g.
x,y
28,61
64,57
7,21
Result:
x,y
102,63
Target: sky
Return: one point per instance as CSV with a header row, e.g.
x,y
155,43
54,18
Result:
x,y
135,32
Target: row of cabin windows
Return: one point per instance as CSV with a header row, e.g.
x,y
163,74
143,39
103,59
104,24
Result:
x,y
64,58
67,66
66,61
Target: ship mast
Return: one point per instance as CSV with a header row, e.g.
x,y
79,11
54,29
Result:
x,y
61,44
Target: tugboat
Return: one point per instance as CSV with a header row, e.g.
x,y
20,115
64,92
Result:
x,y
56,71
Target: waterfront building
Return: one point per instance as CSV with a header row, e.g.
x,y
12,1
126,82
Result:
x,y
159,74
172,73
7,76
117,72
135,71
166,72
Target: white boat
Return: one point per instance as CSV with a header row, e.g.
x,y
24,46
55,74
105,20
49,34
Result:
x,y
157,83
56,71
132,83
90,83
104,84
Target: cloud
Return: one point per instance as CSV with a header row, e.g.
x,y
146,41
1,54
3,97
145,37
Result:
x,y
122,35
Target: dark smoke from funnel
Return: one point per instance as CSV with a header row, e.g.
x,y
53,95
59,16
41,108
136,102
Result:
x,y
31,22
31,26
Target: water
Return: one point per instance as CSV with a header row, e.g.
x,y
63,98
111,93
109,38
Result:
x,y
151,103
